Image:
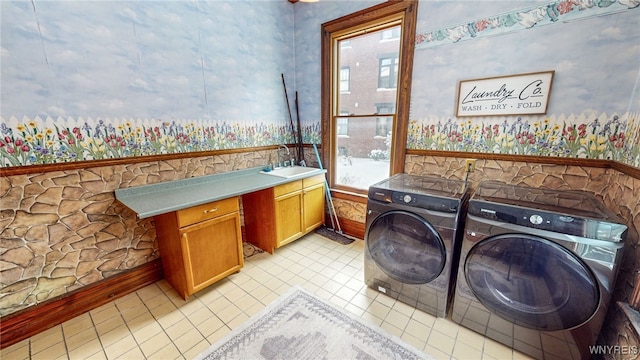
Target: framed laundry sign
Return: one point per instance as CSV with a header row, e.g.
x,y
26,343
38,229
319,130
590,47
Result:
x,y
505,95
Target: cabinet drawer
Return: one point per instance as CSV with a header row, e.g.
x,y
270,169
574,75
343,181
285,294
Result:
x,y
207,211
287,188
314,180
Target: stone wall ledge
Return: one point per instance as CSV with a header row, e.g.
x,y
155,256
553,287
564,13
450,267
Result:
x,y
633,316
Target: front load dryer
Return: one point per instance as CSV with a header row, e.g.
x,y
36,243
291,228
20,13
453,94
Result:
x,y
412,228
537,269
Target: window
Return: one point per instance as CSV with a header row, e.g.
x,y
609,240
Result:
x,y
383,126
384,123
385,108
391,34
364,130
343,126
388,74
344,78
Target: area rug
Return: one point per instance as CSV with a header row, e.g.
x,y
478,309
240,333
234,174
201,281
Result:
x,y
299,326
248,250
333,235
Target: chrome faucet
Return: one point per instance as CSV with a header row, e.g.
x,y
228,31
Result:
x,y
282,162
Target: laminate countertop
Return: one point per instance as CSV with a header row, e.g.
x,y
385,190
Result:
x,y
160,198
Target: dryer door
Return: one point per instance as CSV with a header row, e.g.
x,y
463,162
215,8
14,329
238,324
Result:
x,y
532,282
406,247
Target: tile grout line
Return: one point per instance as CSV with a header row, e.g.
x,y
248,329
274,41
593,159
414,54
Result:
x,y
333,272
139,345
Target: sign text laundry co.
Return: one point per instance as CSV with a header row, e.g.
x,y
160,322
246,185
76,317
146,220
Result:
x,y
505,95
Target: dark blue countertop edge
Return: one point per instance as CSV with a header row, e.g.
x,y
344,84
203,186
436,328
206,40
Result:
x,y
155,199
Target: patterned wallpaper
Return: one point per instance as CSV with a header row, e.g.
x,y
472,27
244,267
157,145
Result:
x,y
91,80
522,18
50,141
117,79
594,105
597,137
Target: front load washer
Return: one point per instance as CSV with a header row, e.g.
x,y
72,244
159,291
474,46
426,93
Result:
x,y
537,268
412,229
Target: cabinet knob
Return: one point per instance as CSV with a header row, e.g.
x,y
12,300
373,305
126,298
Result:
x,y
210,210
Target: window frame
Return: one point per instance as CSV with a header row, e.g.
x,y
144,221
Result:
x,y
405,10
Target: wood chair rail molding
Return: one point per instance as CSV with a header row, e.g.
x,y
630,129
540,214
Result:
x,y
598,163
75,165
595,163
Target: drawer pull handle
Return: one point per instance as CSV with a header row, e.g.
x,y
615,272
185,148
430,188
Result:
x,y
210,210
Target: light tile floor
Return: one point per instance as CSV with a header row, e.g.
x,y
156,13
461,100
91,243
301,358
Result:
x,y
155,323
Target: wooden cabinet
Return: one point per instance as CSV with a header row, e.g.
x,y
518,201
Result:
x,y
200,245
313,206
288,217
279,215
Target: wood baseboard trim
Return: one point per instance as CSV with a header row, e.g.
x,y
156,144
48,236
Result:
x,y
35,319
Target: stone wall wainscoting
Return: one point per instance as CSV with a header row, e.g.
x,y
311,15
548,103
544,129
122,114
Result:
x,y
618,190
62,230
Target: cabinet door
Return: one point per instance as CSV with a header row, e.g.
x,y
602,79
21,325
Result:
x,y
288,217
313,207
212,249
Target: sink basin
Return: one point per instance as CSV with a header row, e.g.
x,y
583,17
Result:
x,y
289,172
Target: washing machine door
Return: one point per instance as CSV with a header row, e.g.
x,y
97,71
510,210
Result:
x,y
532,282
406,247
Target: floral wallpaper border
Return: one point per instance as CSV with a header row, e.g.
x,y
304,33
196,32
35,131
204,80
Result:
x,y
37,141
592,136
565,10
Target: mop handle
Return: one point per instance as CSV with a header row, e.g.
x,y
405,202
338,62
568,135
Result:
x,y
328,191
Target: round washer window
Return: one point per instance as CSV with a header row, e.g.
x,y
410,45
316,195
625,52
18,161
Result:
x,y
532,282
406,247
